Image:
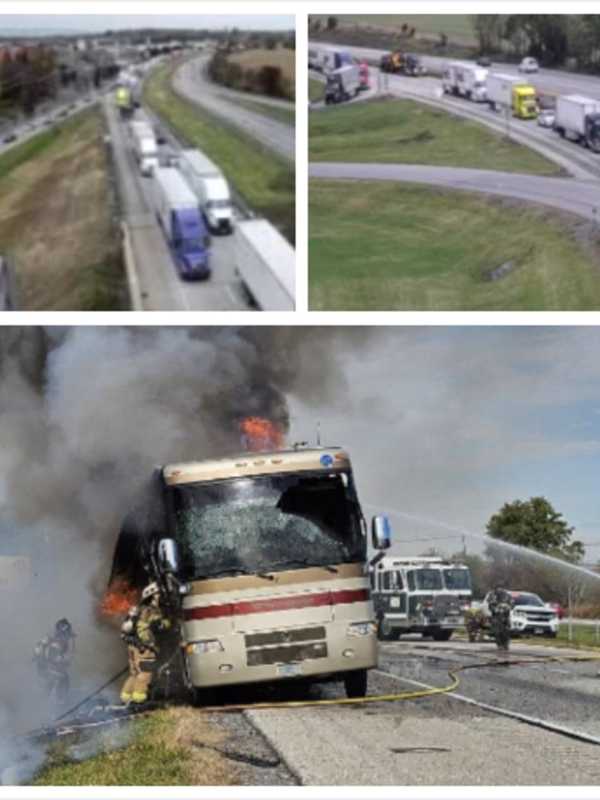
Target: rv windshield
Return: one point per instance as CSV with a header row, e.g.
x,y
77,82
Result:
x,y
457,579
267,524
428,579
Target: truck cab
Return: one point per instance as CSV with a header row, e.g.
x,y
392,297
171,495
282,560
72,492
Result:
x,y
189,243
419,595
524,105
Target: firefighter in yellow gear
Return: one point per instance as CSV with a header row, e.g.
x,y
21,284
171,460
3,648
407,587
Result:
x,y
140,631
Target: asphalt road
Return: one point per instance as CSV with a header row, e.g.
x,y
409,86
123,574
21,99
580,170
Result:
x,y
161,287
575,196
443,740
191,82
546,81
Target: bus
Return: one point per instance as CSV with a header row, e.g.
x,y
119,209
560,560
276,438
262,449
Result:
x,y
269,550
419,595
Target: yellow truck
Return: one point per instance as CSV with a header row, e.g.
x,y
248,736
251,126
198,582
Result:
x,y
511,91
124,101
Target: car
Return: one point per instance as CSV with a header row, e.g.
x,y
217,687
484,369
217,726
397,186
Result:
x,y
10,137
529,615
484,61
529,64
546,118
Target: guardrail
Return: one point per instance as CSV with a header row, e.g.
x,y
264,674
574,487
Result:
x,y
133,284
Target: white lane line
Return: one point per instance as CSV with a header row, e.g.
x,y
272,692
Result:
x,y
539,723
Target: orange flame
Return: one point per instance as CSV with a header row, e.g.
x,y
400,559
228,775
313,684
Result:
x,y
118,599
260,434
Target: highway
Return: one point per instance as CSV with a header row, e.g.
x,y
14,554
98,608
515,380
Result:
x,y
160,285
475,736
191,82
546,81
575,196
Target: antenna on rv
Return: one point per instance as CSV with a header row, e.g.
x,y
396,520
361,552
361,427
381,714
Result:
x,y
318,433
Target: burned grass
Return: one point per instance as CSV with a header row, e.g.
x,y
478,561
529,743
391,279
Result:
x,y
57,219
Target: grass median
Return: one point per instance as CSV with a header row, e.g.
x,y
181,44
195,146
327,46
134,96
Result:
x,y
57,222
176,747
316,90
265,181
407,132
380,246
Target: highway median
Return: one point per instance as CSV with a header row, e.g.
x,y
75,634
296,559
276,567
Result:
x,y
264,181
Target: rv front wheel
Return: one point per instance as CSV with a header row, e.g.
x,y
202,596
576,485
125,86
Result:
x,y
355,683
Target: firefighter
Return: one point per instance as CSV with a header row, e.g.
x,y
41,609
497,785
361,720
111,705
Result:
x,y
53,656
500,605
140,631
474,623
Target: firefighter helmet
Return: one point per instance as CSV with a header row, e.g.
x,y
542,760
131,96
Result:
x,y
150,591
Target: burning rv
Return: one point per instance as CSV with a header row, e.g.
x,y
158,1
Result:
x,y
268,549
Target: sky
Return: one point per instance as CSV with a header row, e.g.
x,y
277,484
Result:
x,y
451,423
81,23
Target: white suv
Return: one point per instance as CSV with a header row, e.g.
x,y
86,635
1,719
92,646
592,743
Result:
x,y
529,64
529,615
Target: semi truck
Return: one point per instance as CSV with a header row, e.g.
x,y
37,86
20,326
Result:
x,y
124,101
182,223
465,80
342,84
419,595
144,146
265,262
512,92
327,59
267,551
210,187
398,62
578,118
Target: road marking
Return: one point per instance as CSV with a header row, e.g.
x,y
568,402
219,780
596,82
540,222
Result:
x,y
538,723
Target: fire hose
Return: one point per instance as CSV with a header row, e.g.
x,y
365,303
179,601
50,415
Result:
x,y
133,712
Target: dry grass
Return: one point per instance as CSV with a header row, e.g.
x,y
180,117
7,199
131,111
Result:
x,y
56,222
282,57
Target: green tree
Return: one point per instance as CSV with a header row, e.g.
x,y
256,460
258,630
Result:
x,y
535,524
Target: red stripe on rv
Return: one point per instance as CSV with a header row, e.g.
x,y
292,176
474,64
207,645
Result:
x,y
278,604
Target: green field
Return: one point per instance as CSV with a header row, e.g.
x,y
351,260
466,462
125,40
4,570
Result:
x,y
316,90
407,132
381,246
279,113
458,27
265,181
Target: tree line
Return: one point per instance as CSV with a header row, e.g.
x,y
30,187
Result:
x,y
530,548
554,39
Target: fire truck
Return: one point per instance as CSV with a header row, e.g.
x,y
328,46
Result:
x,y
419,595
268,551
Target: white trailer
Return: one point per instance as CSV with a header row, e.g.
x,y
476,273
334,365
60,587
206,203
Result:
x,y
465,80
211,188
266,264
577,117
500,88
342,84
144,146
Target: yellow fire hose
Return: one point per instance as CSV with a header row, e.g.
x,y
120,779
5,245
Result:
x,y
392,698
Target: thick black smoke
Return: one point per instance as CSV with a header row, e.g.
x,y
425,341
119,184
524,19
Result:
x,y
85,416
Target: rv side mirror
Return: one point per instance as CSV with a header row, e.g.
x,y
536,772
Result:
x,y
168,555
381,533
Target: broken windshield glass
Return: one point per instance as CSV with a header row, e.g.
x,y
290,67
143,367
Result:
x,y
267,523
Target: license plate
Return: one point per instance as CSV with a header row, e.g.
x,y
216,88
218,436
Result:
x,y
289,670
539,630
